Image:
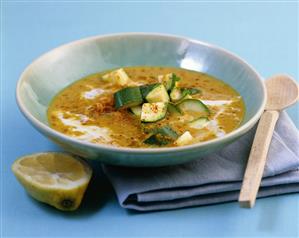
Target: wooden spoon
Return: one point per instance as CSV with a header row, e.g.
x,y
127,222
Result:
x,y
282,92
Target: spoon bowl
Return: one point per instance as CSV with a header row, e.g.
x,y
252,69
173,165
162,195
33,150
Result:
x,y
283,92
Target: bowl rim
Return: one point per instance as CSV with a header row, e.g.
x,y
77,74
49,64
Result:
x,y
45,128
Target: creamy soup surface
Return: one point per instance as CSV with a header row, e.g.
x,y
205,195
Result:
x,y
87,109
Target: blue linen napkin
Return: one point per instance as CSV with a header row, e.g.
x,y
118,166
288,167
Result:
x,y
213,179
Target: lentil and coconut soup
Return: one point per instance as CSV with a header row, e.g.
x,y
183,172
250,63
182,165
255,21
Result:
x,y
147,107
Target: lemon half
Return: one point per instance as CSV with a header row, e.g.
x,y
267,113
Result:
x,y
58,179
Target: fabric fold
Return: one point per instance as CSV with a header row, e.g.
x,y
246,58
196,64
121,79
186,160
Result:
x,y
213,179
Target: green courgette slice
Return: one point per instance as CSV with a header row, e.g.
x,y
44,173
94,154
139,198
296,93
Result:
x,y
152,112
161,136
190,91
193,105
199,123
169,80
173,110
136,110
176,94
127,97
145,89
157,94
156,140
164,130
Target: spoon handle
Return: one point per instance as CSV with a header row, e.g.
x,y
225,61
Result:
x,y
257,159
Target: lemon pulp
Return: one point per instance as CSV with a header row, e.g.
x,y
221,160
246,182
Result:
x,y
58,179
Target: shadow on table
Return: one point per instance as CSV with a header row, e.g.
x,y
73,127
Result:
x,y
98,193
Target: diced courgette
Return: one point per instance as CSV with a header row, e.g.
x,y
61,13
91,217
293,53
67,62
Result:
x,y
169,80
157,94
186,96
193,105
199,123
190,91
145,89
184,139
165,131
173,109
152,112
176,94
156,140
161,136
127,97
136,110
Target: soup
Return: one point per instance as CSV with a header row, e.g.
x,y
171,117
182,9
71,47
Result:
x,y
147,107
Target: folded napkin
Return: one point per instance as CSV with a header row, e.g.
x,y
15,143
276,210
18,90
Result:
x,y
213,179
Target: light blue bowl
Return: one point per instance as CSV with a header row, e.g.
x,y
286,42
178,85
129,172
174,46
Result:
x,y
53,71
